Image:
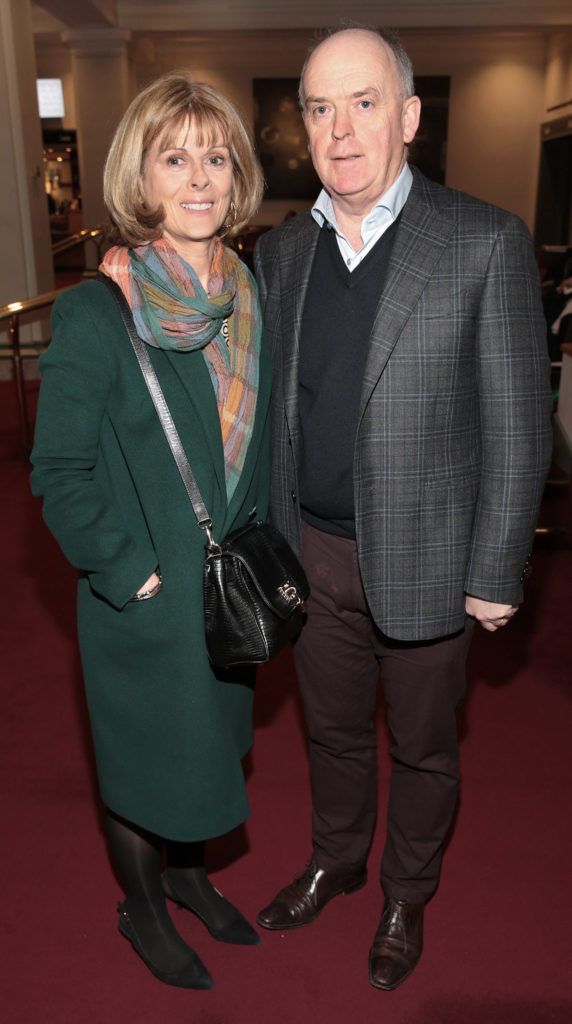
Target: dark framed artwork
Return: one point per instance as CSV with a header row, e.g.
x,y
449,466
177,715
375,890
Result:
x,y
429,149
282,145
281,140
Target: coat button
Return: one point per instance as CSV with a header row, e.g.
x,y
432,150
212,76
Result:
x,y
294,496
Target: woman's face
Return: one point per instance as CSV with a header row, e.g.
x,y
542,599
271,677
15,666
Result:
x,y
193,184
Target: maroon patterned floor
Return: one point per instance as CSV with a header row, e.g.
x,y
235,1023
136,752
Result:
x,y
497,935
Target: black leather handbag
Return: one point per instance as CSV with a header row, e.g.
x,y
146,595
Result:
x,y
253,587
253,584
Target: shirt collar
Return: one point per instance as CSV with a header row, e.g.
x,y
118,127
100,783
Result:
x,y
385,211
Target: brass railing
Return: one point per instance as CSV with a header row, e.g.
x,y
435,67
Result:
x,y
13,348
16,351
95,235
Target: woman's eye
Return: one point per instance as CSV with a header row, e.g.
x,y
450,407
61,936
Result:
x,y
174,161
216,160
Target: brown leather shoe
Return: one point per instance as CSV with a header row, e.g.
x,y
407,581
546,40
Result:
x,y
303,900
397,944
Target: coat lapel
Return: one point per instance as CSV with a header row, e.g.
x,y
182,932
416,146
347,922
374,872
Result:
x,y
254,450
296,258
198,386
201,393
422,235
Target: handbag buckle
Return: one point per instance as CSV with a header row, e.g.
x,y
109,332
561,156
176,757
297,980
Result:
x,y
211,544
289,593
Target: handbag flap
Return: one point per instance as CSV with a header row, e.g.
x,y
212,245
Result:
x,y
275,571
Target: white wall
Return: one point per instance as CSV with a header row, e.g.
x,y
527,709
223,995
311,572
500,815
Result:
x,y
494,135
495,110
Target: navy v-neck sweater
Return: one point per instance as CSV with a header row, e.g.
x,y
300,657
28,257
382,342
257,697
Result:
x,y
336,326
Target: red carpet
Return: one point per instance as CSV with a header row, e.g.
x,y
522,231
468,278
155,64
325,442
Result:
x,y
497,936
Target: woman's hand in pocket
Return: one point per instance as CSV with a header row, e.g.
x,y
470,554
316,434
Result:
x,y
151,587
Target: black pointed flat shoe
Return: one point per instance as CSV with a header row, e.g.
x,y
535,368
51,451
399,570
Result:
x,y
237,931
193,975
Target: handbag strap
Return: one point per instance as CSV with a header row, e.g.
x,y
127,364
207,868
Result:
x,y
163,411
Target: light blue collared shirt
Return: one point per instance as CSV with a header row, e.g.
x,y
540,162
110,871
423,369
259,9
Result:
x,y
377,221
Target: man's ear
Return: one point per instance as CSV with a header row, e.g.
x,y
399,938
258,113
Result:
x,y
410,115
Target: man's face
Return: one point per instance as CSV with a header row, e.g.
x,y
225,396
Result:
x,y
357,122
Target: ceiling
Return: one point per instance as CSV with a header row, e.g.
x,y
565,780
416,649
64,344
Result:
x,y
200,15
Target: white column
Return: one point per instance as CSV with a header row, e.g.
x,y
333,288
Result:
x,y
25,250
101,79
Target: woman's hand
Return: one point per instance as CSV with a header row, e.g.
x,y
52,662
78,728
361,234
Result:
x,y
149,589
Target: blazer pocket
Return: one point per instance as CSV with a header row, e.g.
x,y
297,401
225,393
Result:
x,y
439,307
448,511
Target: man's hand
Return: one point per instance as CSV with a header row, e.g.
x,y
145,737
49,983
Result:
x,y
490,615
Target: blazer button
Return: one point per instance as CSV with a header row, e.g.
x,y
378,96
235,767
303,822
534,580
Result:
x,y
294,496
527,570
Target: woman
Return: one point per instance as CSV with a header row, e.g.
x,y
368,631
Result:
x,y
169,734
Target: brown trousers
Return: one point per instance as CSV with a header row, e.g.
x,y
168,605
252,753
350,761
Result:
x,y
338,660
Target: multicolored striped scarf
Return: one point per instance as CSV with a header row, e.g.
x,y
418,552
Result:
x,y
171,310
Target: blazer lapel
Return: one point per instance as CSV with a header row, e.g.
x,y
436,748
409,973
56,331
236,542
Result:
x,y
296,257
422,235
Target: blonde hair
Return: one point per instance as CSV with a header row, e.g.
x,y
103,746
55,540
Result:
x,y
161,110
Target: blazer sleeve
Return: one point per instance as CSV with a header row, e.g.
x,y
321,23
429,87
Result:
x,y
78,511
514,395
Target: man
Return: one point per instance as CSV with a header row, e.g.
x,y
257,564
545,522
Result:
x,y
411,441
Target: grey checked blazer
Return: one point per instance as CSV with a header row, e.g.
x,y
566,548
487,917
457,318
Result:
x,y
454,435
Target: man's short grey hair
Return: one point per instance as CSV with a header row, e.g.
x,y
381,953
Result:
x,y
391,39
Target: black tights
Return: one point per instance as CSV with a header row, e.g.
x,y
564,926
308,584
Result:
x,y
136,858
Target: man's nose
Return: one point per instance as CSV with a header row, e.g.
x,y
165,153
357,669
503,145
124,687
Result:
x,y
342,126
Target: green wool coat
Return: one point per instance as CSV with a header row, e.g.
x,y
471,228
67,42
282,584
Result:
x,y
169,733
